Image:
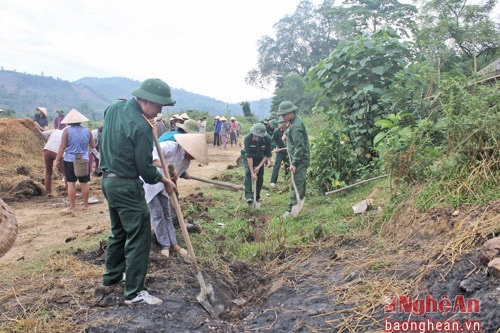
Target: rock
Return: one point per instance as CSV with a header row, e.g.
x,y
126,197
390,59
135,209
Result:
x,y
470,285
362,206
489,251
494,267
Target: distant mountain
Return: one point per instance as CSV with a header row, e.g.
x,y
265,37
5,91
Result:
x,y
24,92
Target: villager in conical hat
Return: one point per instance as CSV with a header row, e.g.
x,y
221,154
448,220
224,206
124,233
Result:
x,y
195,145
8,228
40,118
42,110
74,117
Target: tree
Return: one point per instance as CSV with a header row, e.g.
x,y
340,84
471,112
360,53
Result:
x,y
456,27
245,107
294,89
368,16
302,39
352,82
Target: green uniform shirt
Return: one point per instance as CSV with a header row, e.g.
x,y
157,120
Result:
x,y
256,147
297,142
127,141
277,138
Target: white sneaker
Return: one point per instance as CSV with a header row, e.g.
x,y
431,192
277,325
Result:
x,y
272,185
165,252
144,297
286,215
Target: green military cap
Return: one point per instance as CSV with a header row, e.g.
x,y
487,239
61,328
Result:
x,y
259,130
190,126
285,108
156,91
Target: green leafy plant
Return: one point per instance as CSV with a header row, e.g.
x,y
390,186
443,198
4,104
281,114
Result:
x,y
353,80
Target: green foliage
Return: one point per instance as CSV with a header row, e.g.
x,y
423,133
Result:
x,y
457,32
457,154
406,150
368,16
258,235
294,90
7,113
302,39
333,164
245,107
353,81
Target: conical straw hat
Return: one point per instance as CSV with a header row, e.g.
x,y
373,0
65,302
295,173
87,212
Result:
x,y
195,145
44,110
8,228
74,117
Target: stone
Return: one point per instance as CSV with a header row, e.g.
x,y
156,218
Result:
x,y
494,267
489,251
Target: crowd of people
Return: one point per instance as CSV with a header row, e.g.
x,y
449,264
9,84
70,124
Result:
x,y
136,182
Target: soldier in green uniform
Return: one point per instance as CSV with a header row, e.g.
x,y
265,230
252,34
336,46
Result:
x,y
297,143
254,155
126,154
279,149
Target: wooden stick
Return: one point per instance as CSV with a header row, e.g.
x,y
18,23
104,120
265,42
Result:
x,y
353,185
215,182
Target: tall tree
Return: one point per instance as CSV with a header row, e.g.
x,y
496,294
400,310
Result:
x,y
294,90
368,16
245,107
459,27
302,39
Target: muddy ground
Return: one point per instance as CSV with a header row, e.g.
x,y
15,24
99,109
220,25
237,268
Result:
x,y
337,285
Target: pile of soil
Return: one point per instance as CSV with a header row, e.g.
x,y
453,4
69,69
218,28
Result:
x,y
21,153
339,284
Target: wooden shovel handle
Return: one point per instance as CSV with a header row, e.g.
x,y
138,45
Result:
x,y
175,202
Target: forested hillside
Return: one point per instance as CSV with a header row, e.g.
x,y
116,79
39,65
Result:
x,y
21,93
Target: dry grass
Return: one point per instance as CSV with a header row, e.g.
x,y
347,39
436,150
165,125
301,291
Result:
x,y
365,269
53,297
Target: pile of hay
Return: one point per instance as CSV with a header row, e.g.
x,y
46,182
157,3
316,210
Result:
x,y
21,153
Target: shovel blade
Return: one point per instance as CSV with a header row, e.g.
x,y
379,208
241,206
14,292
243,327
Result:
x,y
206,298
297,207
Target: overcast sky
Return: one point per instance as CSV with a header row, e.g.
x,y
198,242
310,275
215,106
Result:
x,y
202,46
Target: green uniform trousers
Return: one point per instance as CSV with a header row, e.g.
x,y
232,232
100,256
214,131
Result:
x,y
281,156
130,240
300,180
248,179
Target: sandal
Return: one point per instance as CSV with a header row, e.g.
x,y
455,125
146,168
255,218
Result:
x,y
182,252
165,252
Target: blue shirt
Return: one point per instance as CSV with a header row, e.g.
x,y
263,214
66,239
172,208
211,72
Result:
x,y
217,126
168,136
78,142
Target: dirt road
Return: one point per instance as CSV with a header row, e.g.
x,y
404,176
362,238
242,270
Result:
x,y
43,223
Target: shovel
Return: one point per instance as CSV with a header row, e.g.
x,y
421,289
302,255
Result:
x,y
255,204
300,202
206,296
